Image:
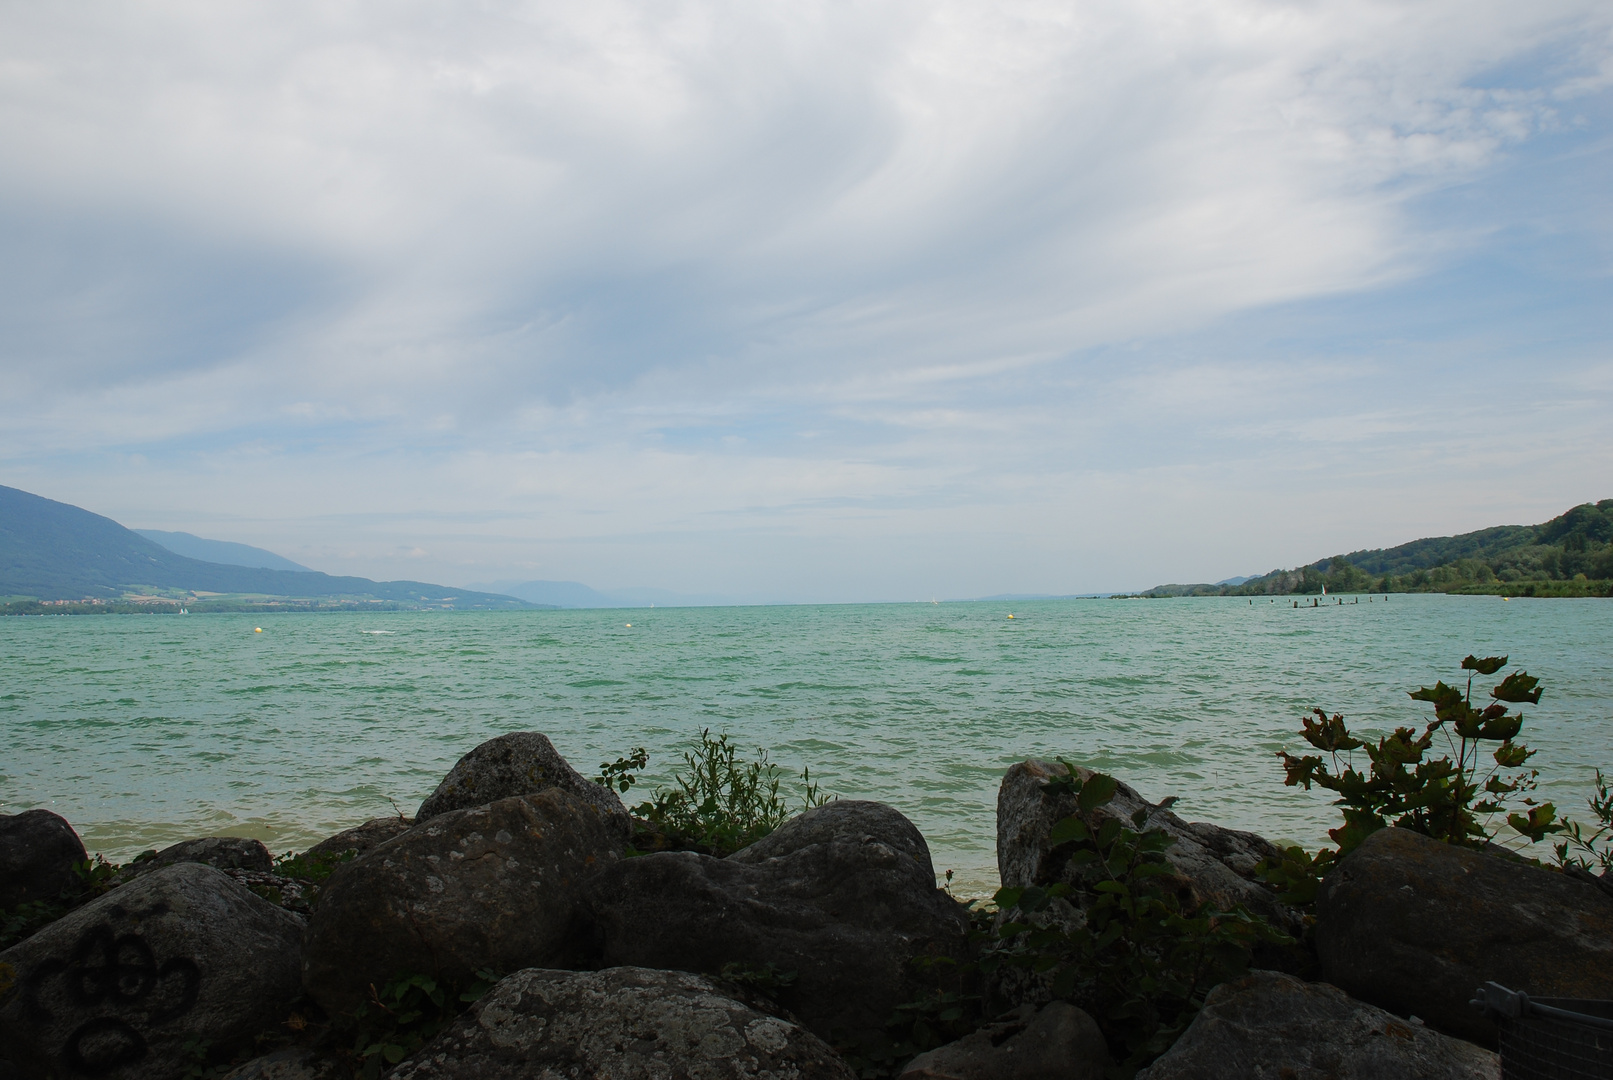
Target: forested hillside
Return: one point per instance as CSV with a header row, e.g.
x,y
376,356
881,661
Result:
x,y
1570,555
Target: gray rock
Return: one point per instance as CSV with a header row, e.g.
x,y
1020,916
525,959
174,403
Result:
x,y
1271,1026
1215,865
487,887
292,1064
38,853
1057,1042
841,822
842,896
1417,926
361,838
520,763
220,852
621,1023
117,987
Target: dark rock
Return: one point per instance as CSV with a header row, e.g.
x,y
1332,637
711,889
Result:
x,y
1271,1026
520,763
1603,881
839,823
292,1064
1059,1042
1216,865
38,853
842,896
622,1023
361,838
117,987
1213,866
487,887
219,852
1417,926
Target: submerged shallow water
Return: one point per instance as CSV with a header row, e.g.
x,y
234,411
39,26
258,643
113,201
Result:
x,y
143,730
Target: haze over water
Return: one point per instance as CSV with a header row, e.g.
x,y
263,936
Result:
x,y
144,730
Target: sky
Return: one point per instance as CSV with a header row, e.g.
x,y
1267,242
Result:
x,y
809,301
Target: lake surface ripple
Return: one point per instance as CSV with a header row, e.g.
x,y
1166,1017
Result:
x,y
144,730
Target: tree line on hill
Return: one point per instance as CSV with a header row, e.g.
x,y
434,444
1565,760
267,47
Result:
x,y
1570,555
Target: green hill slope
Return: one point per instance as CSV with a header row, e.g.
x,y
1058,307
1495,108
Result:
x,y
54,551
1570,555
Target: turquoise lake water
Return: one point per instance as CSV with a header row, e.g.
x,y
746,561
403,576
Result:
x,y
142,730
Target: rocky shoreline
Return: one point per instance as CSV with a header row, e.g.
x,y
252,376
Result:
x,y
511,930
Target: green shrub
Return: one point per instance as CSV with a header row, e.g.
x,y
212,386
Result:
x,y
717,802
1449,800
23,921
1592,850
311,869
404,1015
1453,798
1136,958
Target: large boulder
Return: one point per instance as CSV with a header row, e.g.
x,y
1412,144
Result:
x,y
841,899
520,763
623,1023
39,852
487,887
1216,865
118,987
219,852
1271,1026
1417,926
1057,1042
361,838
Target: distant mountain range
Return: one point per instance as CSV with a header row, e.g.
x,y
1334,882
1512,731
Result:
x,y
52,551
220,551
572,594
1570,555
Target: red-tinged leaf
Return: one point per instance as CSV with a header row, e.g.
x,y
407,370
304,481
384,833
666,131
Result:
x,y
1488,666
1502,728
1519,687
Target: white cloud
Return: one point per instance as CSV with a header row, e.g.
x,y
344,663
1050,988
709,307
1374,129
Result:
x,y
554,255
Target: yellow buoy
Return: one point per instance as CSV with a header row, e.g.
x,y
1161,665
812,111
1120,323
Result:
x,y
630,626
257,629
1010,616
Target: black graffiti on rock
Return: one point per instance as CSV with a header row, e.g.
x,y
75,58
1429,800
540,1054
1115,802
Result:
x,y
98,1046
117,972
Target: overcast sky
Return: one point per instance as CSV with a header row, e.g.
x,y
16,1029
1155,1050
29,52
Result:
x,y
806,301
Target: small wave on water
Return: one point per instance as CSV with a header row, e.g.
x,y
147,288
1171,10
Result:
x,y
1188,697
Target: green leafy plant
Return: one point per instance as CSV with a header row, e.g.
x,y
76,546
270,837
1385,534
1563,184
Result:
x,y
947,1009
622,773
1133,950
934,1018
718,801
95,878
96,875
405,1014
201,1066
1594,849
313,869
1451,798
22,921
